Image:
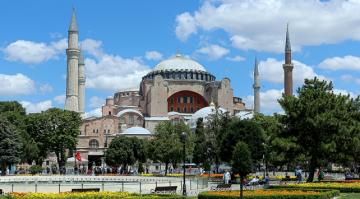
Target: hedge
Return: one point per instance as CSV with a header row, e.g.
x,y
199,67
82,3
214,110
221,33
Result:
x,y
342,187
319,194
89,195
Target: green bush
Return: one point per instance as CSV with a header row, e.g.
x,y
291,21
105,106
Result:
x,y
325,194
342,189
35,169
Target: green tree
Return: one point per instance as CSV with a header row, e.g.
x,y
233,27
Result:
x,y
10,145
246,131
166,147
62,128
241,162
320,123
120,152
201,156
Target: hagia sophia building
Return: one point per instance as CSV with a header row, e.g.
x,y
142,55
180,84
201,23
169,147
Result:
x,y
177,89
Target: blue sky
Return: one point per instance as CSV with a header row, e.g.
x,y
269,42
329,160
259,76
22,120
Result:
x,y
123,40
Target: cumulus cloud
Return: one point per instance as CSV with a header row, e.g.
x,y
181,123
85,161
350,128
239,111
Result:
x,y
18,84
96,102
213,51
312,22
271,70
31,52
341,63
60,99
350,78
268,101
36,107
153,55
111,72
45,88
236,58
93,113
344,92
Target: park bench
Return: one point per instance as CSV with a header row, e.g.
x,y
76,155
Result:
x,y
164,190
86,190
221,187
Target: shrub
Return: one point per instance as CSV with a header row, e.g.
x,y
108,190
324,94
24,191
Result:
x,y
342,187
271,194
35,169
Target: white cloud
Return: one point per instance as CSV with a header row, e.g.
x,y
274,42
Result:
x,y
344,92
93,113
36,107
60,99
45,88
92,46
350,78
341,63
96,102
236,58
34,52
268,101
213,51
111,72
186,25
261,24
18,84
271,70
153,55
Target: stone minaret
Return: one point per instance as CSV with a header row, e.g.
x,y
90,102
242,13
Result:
x,y
72,76
81,82
288,66
256,87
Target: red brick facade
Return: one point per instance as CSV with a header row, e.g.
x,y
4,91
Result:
x,y
186,102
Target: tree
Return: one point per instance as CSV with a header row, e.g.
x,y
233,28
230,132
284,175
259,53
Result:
x,y
241,162
320,124
62,128
10,145
246,131
166,146
120,152
201,155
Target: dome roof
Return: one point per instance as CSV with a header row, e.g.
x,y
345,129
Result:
x,y
179,62
204,113
128,111
136,131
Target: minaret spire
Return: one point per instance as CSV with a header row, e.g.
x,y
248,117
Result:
x,y
256,87
72,76
288,66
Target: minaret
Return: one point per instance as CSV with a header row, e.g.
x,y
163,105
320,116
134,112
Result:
x,y
82,80
72,77
288,66
256,87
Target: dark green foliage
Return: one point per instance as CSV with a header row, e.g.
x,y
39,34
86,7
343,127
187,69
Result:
x,y
241,162
246,131
35,169
342,189
166,146
201,156
321,126
10,145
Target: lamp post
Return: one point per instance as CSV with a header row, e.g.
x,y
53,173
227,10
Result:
x,y
183,140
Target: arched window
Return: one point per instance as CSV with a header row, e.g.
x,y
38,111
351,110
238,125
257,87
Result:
x,y
94,144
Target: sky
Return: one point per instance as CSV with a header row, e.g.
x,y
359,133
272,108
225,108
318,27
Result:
x,y
123,40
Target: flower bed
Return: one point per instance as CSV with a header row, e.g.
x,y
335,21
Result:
x,y
86,195
271,194
353,187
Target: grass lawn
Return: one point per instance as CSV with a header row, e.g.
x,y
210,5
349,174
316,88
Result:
x,y
349,196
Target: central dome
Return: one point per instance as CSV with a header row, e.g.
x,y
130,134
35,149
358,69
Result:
x,y
179,63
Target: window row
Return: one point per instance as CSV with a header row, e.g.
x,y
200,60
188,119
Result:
x,y
183,75
185,100
184,110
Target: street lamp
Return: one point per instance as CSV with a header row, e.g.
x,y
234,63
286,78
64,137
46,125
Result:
x,y
183,140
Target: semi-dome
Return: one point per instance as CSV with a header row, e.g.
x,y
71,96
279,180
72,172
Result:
x,y
179,62
204,113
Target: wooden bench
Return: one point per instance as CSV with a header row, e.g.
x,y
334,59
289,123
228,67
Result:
x,y
164,190
221,187
86,190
